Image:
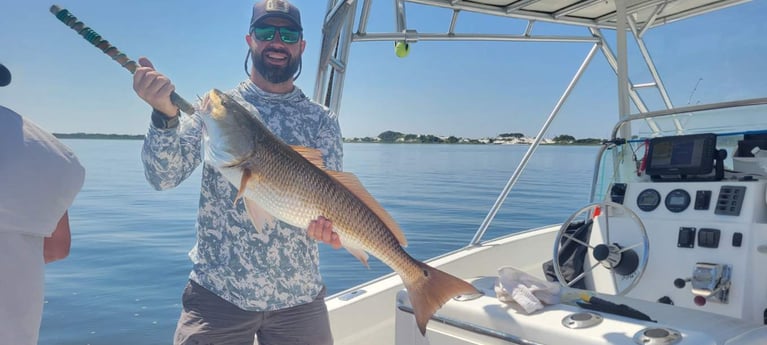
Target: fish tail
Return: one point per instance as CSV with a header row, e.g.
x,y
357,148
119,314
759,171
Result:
x,y
431,290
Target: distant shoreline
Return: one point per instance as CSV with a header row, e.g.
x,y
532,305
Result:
x,y
100,136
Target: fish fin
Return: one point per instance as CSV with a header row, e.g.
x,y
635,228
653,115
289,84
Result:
x,y
355,249
312,155
246,174
354,185
430,290
258,216
360,254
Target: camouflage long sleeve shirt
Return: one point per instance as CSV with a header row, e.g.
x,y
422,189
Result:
x,y
268,268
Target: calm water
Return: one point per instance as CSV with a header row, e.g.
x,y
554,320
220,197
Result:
x,y
122,282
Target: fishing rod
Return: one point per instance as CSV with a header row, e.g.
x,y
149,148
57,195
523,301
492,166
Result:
x,y
96,40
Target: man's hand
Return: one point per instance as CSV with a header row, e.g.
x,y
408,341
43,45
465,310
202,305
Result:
x,y
321,229
56,247
154,88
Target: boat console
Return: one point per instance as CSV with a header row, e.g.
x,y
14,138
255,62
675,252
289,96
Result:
x,y
681,244
706,243
683,231
706,231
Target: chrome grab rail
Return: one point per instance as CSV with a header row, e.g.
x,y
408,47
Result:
x,y
690,109
513,339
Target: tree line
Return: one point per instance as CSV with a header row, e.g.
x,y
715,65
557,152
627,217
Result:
x,y
384,137
398,137
98,136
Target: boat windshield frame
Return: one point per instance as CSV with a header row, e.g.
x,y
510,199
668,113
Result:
x,y
732,120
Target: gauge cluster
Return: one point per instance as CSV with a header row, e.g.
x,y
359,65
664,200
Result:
x,y
675,201
729,198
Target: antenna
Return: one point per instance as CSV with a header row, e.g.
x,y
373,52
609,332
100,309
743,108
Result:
x,y
693,91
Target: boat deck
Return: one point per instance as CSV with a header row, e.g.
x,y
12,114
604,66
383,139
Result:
x,y
487,320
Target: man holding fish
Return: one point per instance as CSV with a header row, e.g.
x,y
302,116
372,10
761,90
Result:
x,y
272,161
252,274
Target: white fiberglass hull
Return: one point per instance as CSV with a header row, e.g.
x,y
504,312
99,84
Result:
x,y
377,312
376,300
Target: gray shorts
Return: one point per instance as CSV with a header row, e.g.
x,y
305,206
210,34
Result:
x,y
207,319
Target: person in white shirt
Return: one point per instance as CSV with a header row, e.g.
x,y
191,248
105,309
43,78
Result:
x,y
39,179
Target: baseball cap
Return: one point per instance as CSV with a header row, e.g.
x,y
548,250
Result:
x,y
5,76
276,8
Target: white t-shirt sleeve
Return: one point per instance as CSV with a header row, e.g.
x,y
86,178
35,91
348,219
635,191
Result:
x,y
39,176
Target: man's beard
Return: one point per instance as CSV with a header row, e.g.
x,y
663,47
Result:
x,y
276,74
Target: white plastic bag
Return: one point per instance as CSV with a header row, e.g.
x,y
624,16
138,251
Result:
x,y
525,290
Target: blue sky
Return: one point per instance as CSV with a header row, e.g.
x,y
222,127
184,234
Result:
x,y
466,89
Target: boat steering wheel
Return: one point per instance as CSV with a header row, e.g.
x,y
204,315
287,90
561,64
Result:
x,y
621,260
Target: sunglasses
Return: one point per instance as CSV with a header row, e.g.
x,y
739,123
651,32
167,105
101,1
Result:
x,y
287,34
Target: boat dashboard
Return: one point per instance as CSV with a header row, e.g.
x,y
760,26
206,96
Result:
x,y
694,214
703,281
707,241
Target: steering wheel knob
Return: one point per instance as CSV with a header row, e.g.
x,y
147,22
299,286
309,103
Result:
x,y
601,252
